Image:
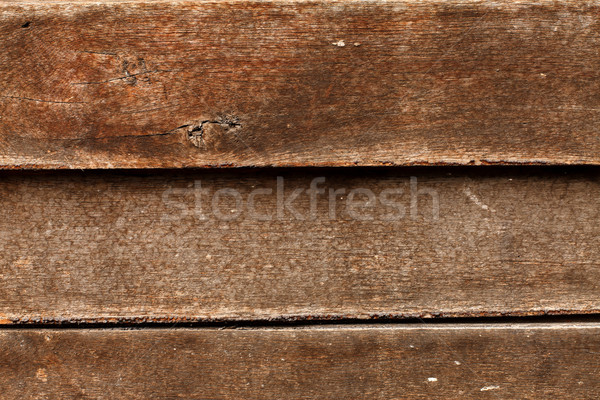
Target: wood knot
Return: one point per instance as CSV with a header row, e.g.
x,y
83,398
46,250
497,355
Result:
x,y
209,133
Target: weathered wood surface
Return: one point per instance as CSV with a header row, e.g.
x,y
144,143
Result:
x,y
246,83
401,362
153,246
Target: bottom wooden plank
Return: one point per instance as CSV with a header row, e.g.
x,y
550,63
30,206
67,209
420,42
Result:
x,y
336,362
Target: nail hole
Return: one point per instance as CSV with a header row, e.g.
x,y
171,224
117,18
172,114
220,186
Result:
x,y
26,24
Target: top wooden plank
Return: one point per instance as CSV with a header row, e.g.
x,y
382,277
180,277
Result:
x,y
285,83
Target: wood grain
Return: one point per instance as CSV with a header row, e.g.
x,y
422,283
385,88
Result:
x,y
152,246
391,362
139,84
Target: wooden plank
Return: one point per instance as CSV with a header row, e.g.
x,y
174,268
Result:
x,y
139,84
392,362
236,244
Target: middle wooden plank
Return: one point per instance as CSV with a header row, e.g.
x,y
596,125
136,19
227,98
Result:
x,y
248,244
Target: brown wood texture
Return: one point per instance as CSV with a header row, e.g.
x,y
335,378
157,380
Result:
x,y
402,362
187,246
157,84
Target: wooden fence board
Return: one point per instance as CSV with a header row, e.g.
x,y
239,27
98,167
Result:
x,y
365,362
237,244
138,84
